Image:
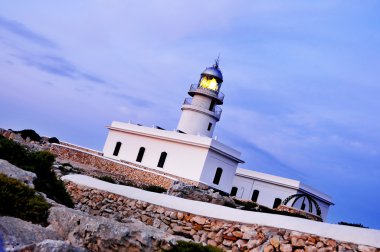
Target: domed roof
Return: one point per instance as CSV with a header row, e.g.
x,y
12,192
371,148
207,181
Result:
x,y
213,71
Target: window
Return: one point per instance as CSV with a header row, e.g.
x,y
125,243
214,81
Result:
x,y
161,162
218,174
212,105
255,195
209,126
277,202
234,191
140,155
117,149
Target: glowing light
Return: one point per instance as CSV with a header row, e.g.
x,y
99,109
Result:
x,y
208,82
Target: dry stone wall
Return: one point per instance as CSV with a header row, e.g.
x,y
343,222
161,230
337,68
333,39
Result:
x,y
226,235
90,161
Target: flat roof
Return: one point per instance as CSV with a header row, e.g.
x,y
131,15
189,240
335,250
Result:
x,y
291,183
174,136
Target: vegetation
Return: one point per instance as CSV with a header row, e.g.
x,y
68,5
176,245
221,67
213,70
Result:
x,y
39,162
29,133
107,179
183,246
253,206
153,188
20,201
351,224
53,140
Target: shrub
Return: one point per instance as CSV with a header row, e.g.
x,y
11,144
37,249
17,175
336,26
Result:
x,y
183,246
351,224
29,133
53,140
107,179
40,163
46,180
20,201
153,188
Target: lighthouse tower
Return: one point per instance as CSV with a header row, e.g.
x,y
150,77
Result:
x,y
201,113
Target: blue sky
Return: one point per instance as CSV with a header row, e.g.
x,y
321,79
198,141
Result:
x,y
301,80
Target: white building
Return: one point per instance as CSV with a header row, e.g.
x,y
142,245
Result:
x,y
190,151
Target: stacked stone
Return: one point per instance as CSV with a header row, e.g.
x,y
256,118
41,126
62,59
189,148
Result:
x,y
229,236
90,161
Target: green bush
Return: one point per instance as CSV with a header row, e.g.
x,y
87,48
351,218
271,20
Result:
x,y
53,140
183,246
20,201
40,163
153,188
29,133
107,179
352,224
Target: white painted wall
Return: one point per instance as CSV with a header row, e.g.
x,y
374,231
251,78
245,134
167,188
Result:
x,y
267,192
188,156
215,160
196,117
271,187
182,159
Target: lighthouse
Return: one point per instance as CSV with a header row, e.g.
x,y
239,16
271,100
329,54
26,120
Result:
x,y
201,112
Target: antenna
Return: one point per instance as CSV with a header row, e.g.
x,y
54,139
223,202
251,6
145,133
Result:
x,y
216,65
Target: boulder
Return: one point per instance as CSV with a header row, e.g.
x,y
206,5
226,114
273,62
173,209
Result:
x,y
50,246
17,233
97,233
12,171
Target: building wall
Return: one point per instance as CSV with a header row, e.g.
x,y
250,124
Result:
x,y
267,192
182,159
322,205
215,160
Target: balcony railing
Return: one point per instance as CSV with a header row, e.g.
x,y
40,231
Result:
x,y
217,111
195,88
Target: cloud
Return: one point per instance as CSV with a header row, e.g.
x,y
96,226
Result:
x,y
22,31
135,100
58,66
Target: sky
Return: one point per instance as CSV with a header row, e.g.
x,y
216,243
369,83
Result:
x,y
301,81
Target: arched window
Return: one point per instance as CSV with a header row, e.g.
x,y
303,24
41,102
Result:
x,y
234,191
161,162
117,149
277,202
255,195
218,174
140,155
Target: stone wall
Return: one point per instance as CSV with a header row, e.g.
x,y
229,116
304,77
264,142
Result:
x,y
289,209
90,161
223,234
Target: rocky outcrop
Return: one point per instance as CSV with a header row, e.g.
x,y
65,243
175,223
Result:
x,y
17,233
50,246
182,190
14,172
102,234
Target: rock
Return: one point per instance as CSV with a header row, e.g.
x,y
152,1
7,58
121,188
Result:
x,y
227,243
212,243
363,248
310,249
51,246
199,220
12,171
269,248
286,248
275,241
179,216
102,234
17,233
